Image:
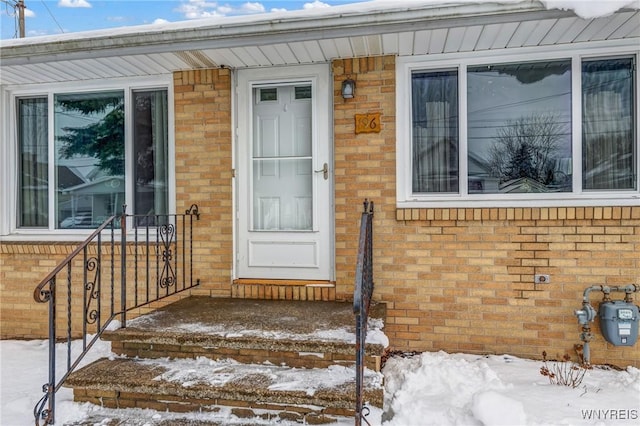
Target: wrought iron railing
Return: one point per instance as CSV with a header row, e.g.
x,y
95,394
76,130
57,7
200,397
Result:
x,y
361,302
117,269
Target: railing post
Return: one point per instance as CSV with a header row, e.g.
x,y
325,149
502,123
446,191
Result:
x,y
49,413
361,300
359,370
123,265
52,355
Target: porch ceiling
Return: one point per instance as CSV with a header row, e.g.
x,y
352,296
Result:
x,y
294,39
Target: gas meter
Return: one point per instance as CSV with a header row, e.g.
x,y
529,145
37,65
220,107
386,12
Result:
x,y
619,322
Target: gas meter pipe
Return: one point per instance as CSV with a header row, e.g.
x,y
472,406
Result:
x,y
627,289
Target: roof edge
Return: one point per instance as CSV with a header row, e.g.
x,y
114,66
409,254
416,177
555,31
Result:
x,y
229,32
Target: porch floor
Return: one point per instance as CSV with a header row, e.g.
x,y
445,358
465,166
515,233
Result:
x,y
232,314
290,323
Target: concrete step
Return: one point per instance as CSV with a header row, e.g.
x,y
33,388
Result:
x,y
224,417
313,396
294,333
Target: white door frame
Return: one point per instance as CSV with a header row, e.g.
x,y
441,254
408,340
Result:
x,y
323,208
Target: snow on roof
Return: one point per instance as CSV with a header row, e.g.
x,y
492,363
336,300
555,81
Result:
x,y
583,8
588,9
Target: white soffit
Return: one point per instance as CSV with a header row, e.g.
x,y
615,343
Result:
x,y
314,41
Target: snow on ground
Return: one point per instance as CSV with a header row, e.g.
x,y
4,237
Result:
x,y
432,388
461,389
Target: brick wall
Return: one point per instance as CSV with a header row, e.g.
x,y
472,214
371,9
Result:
x,y
22,266
474,277
204,171
365,164
461,280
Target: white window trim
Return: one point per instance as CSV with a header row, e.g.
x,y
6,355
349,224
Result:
x,y
460,61
9,230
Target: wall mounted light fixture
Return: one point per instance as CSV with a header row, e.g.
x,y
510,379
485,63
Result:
x,y
348,88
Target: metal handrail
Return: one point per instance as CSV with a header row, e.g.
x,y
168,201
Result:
x,y
163,243
361,301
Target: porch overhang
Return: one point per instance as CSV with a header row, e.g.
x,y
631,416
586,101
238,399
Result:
x,y
302,37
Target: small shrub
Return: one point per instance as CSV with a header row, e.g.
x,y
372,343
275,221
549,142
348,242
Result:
x,y
564,372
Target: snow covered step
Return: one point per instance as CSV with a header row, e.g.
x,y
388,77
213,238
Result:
x,y
202,384
293,353
294,333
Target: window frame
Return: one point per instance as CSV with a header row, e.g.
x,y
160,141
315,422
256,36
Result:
x,y
9,230
406,65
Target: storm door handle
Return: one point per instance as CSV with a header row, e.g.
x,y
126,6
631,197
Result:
x,y
324,170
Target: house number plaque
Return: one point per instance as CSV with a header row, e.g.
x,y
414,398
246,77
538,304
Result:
x,y
368,123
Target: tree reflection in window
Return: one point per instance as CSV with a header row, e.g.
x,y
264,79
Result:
x,y
519,127
90,157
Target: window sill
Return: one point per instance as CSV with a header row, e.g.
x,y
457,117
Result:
x,y
73,237
46,236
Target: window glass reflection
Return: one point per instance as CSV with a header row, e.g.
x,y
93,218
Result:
x,y
519,128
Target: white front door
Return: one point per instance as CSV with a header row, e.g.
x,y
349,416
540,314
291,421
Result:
x,y
284,174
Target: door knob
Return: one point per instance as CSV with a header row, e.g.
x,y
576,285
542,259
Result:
x,y
324,170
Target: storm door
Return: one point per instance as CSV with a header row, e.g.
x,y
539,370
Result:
x,y
283,176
